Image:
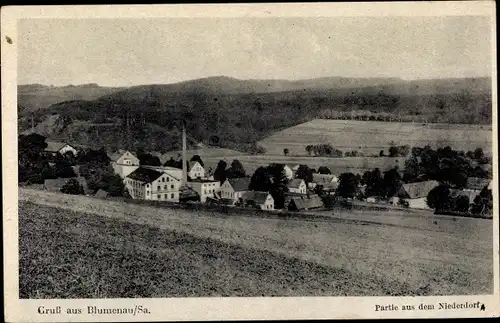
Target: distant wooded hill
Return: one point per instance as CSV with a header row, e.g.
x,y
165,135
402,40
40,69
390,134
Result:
x,y
235,113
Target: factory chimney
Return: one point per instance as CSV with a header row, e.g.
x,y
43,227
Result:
x,y
184,157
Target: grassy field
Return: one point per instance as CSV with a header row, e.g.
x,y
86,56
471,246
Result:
x,y
173,252
373,136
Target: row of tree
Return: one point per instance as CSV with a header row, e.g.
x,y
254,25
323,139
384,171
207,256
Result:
x,y
445,165
326,150
441,200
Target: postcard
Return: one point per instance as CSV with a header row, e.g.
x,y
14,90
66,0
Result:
x,y
250,161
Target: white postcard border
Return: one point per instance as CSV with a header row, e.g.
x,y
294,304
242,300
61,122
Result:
x,y
183,309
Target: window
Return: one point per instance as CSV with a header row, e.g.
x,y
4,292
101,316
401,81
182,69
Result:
x,y
158,187
147,192
172,186
166,196
163,179
165,187
172,195
147,185
168,179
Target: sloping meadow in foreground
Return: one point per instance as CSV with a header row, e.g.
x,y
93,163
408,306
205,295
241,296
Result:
x,y
65,254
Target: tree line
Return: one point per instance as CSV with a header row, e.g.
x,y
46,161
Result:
x,y
35,167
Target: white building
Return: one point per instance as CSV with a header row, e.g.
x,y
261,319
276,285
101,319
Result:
x,y
204,188
297,185
149,184
196,170
233,188
124,162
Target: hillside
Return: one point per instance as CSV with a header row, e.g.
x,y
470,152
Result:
x,y
232,113
32,97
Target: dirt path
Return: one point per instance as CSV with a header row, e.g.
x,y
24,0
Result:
x,y
453,260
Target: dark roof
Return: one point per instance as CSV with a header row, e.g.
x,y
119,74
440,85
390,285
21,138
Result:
x,y
258,197
55,146
306,203
476,183
295,183
239,184
145,175
417,190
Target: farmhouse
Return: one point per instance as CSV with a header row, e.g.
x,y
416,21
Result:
x,y
54,147
328,181
297,185
149,184
123,162
415,194
261,200
233,188
304,203
204,188
196,170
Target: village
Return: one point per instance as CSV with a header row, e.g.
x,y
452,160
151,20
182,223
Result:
x,y
273,188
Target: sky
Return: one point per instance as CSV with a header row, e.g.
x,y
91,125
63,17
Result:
x,y
125,52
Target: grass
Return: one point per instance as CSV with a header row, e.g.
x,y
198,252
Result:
x,y
354,253
75,255
373,136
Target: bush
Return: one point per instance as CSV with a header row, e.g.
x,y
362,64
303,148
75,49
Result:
x,y
72,187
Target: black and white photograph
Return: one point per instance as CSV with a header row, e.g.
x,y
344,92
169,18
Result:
x,y
251,157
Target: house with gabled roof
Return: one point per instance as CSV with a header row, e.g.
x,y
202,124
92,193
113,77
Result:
x,y
149,184
261,200
123,162
297,185
195,170
329,182
57,147
415,194
233,188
